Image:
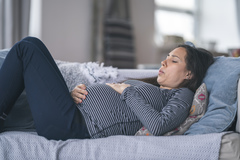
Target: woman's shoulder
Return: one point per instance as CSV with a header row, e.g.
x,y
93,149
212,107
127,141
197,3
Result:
x,y
182,93
184,90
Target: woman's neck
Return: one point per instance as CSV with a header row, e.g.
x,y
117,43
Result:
x,y
165,87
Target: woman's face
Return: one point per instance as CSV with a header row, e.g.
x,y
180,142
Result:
x,y
173,70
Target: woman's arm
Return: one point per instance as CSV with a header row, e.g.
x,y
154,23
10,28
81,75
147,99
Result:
x,y
171,116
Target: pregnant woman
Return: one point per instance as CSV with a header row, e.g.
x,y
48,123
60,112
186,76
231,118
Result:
x,y
100,110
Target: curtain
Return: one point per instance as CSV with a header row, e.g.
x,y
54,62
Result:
x,y
113,33
14,21
97,30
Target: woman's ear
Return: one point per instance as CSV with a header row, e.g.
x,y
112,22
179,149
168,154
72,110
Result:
x,y
188,75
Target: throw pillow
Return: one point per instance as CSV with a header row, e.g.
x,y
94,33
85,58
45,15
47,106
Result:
x,y
143,132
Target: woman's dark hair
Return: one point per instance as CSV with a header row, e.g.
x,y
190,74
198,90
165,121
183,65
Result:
x,y
197,61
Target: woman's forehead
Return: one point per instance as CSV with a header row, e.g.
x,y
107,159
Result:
x,y
179,52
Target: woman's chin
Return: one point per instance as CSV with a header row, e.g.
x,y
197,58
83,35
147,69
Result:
x,y
159,80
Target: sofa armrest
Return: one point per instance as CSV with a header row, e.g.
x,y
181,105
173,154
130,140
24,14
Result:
x,y
126,74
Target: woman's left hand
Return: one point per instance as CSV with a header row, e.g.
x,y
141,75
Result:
x,y
119,87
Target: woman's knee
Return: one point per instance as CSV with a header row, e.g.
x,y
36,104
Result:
x,y
27,46
34,40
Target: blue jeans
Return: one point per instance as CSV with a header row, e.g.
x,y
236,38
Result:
x,y
30,66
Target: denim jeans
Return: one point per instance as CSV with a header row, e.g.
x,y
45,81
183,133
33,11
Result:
x,y
30,66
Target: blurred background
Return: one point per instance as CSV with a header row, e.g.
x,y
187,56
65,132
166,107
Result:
x,y
122,33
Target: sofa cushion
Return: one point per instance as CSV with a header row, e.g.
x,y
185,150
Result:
x,y
221,80
20,117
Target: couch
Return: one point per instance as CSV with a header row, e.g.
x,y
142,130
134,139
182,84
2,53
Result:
x,y
215,135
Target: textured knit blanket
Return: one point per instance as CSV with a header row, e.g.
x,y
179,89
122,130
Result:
x,y
23,146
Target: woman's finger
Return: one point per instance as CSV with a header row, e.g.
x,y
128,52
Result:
x,y
77,100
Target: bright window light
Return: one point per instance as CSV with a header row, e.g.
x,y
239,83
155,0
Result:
x,y
171,23
181,4
174,17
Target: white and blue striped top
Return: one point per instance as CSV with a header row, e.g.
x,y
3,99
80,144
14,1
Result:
x,y
107,113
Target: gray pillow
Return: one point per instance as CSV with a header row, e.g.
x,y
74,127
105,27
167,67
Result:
x,y
20,117
222,84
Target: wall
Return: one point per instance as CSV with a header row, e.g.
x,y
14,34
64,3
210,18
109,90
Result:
x,y
66,29
143,22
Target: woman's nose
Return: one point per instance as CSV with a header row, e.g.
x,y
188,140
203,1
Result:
x,y
163,63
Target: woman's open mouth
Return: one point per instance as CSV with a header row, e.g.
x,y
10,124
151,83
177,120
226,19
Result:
x,y
160,72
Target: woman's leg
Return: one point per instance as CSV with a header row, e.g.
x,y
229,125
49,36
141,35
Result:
x,y
29,65
43,48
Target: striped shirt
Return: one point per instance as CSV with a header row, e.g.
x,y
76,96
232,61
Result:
x,y
107,112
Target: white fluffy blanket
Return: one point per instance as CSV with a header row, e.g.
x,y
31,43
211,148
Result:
x,y
88,73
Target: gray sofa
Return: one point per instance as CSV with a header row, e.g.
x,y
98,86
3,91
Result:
x,y
214,136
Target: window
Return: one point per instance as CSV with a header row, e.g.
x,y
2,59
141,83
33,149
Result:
x,y
174,17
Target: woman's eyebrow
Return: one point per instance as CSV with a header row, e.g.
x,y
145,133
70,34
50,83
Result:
x,y
175,56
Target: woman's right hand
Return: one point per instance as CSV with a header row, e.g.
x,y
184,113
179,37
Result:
x,y
79,93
